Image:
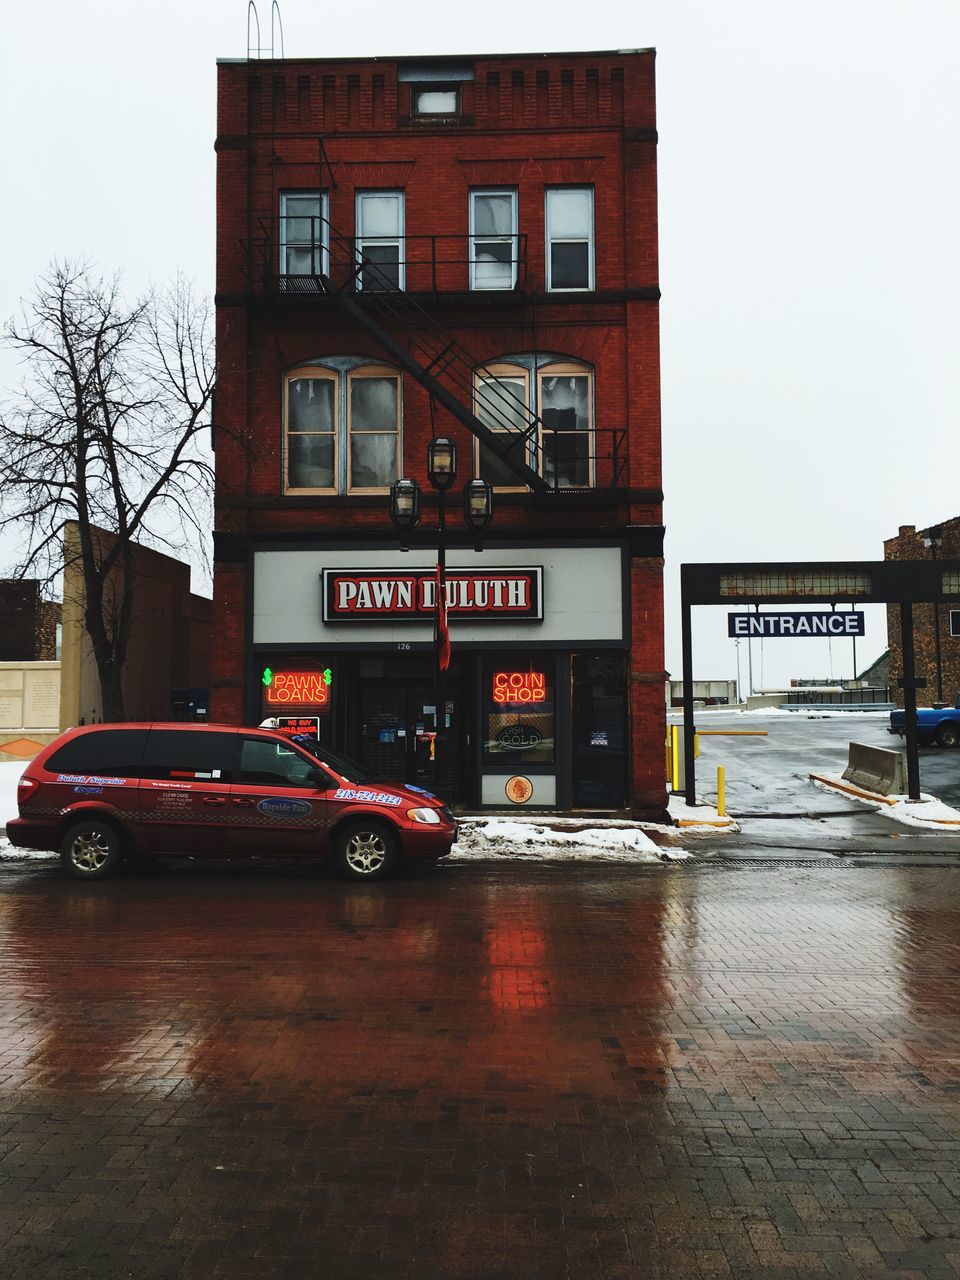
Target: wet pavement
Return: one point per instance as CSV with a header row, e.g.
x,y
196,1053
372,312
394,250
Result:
x,y
702,1069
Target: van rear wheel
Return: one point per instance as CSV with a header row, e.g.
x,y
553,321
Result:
x,y
90,850
365,850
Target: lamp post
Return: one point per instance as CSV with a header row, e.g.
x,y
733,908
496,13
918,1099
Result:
x,y
933,539
405,514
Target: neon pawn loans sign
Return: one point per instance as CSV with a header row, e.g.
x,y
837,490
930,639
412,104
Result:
x,y
519,687
295,688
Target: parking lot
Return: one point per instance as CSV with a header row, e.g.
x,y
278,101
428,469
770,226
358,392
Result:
x,y
770,793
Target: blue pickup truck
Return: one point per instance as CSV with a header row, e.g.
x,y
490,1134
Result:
x,y
934,724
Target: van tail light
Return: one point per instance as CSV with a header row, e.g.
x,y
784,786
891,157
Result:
x,y
25,786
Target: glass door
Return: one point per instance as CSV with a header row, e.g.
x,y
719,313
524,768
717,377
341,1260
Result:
x,y
398,733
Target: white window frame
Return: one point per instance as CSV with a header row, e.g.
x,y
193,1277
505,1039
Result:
x,y
513,238
494,371
340,372
569,369
550,240
399,239
955,622
324,232
440,87
319,373
349,377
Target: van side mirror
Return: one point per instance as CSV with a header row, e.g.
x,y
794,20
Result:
x,y
320,778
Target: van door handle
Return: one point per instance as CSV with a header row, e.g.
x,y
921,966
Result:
x,y
214,800
244,802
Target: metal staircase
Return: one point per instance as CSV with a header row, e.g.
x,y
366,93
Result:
x,y
434,358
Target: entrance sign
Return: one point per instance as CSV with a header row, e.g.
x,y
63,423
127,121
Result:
x,y
396,595
767,625
519,686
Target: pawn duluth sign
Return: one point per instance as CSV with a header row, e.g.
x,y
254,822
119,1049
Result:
x,y
389,595
769,625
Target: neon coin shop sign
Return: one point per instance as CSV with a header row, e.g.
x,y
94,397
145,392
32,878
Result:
x,y
519,687
293,688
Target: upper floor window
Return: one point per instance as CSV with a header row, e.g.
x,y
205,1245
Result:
x,y
341,428
304,242
569,217
554,396
494,242
380,239
502,403
434,100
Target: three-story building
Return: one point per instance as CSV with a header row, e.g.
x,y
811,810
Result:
x,y
462,248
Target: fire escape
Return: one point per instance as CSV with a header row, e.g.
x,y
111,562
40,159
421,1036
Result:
x,y
387,301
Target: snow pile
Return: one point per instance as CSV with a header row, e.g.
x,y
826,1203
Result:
x,y
928,812
10,772
498,837
697,818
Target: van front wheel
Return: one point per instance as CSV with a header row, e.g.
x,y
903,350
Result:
x,y
365,851
90,850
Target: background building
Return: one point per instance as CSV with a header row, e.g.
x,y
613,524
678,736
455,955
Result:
x,y
462,247
168,658
936,630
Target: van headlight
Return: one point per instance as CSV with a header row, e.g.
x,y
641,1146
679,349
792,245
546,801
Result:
x,y
430,816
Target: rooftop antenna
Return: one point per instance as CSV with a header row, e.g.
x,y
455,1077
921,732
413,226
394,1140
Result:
x,y
258,50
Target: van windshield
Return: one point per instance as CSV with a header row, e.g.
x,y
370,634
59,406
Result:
x,y
346,767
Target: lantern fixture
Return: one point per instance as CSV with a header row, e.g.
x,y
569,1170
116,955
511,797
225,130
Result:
x,y
478,506
405,507
442,463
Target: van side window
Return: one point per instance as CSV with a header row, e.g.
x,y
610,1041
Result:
x,y
114,753
274,764
190,756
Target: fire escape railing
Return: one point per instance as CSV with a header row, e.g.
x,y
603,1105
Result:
x,y
381,297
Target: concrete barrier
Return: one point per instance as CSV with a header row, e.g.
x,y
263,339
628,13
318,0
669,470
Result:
x,y
877,769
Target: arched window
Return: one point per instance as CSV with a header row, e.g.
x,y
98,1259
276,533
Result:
x,y
341,427
550,394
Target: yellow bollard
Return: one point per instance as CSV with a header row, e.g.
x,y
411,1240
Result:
x,y
721,792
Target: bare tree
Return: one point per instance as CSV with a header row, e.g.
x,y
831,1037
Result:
x,y
106,435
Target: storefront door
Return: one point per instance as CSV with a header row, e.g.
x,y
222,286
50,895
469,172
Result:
x,y
397,732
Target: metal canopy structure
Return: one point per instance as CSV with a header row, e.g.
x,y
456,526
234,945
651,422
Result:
x,y
903,582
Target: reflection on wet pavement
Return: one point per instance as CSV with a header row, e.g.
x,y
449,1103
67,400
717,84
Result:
x,y
584,1071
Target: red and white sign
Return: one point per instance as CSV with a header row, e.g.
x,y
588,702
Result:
x,y
381,595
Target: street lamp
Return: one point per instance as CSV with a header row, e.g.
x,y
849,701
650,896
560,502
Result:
x,y
405,514
933,539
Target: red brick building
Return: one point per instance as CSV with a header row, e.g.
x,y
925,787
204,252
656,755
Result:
x,y
460,247
936,637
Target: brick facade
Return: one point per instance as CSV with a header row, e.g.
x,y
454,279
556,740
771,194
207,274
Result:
x,y
909,545
523,124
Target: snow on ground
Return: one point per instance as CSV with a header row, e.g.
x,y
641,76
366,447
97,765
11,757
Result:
x,y
10,772
500,837
702,817
929,812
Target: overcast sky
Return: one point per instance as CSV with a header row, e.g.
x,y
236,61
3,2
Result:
x,y
809,218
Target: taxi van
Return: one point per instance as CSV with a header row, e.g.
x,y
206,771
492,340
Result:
x,y
102,792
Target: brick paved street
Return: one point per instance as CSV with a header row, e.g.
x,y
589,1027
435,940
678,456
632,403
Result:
x,y
696,1070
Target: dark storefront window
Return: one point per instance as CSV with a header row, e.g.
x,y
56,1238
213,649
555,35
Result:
x,y
599,730
519,717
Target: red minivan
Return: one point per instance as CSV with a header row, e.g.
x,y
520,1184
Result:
x,y
103,791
